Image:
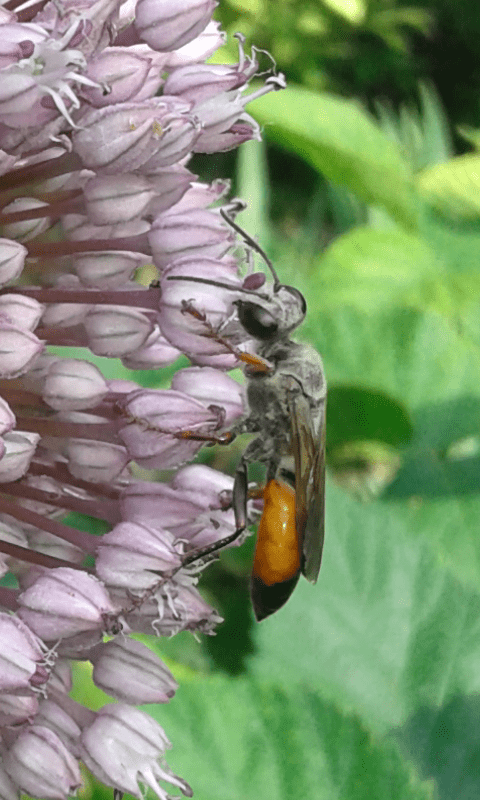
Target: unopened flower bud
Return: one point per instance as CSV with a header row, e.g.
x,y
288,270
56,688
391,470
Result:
x,y
213,388
107,269
41,764
153,438
25,312
7,417
184,329
93,461
134,556
155,353
27,229
197,232
115,331
12,260
65,602
125,137
125,71
112,199
72,384
131,672
19,450
17,709
19,350
198,82
198,50
20,655
169,24
8,790
169,185
54,717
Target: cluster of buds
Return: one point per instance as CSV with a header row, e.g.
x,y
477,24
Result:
x,y
102,104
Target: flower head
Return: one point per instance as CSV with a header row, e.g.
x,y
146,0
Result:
x,y
102,104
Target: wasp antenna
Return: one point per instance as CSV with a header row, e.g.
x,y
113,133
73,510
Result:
x,y
253,244
230,286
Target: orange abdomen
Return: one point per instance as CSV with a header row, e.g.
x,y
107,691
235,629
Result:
x,y
277,556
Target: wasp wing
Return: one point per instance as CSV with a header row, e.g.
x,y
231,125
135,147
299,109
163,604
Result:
x,y
308,446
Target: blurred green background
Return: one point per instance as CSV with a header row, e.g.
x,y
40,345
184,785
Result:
x,y
366,194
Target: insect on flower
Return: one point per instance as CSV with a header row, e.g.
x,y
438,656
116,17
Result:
x,y
286,395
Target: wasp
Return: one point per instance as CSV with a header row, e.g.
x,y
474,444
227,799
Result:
x,y
286,395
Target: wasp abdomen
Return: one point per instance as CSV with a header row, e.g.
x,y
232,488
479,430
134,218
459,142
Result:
x,y
277,556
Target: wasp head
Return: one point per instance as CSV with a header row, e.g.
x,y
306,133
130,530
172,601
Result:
x,y
267,318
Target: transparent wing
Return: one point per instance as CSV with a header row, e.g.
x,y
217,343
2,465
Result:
x,y
308,447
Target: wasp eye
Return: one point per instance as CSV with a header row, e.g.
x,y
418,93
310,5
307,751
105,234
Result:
x,y
258,322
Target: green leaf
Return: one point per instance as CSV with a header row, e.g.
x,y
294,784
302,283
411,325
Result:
x,y
343,142
246,740
414,358
370,269
453,187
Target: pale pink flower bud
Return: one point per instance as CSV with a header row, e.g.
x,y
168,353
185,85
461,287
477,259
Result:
x,y
196,232
41,765
169,24
65,315
34,379
151,503
95,462
198,82
111,199
177,142
27,229
169,185
125,137
115,331
242,131
54,717
213,388
19,450
15,709
134,556
19,350
72,384
206,483
65,602
20,310
8,790
155,353
183,329
7,417
124,71
20,655
12,260
135,743
156,418
107,269
131,672
202,195
198,50
220,112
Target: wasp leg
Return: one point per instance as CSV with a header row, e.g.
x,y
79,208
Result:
x,y
254,362
240,495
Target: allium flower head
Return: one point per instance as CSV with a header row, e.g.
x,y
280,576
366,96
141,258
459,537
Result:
x,y
102,104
